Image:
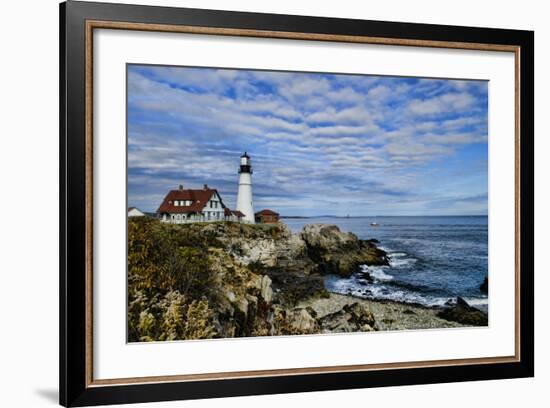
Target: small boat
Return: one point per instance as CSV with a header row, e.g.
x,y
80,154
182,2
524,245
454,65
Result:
x,y
374,224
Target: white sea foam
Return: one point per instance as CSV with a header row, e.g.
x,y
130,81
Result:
x,y
377,272
400,259
379,289
476,301
399,262
351,286
382,292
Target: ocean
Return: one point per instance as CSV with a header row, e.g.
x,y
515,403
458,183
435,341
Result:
x,y
432,259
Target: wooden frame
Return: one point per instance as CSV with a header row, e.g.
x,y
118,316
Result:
x,y
77,22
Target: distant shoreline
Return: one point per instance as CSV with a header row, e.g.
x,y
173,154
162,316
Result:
x,y
376,216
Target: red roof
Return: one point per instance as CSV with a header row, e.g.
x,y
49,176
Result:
x,y
198,198
266,212
229,212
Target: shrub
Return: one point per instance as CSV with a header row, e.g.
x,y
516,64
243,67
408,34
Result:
x,y
170,281
199,321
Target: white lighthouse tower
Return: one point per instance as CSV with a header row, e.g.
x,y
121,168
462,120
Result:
x,y
244,196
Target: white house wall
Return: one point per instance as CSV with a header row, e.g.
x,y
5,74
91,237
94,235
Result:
x,y
213,211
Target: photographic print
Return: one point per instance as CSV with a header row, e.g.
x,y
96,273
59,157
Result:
x,y
269,203
231,181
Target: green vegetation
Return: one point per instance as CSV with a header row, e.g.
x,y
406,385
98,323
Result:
x,y
170,281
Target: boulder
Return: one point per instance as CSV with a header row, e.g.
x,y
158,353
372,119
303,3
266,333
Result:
x,y
463,313
337,252
265,289
351,318
302,321
326,236
365,277
292,286
484,287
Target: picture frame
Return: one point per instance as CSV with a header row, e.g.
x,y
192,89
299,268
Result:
x,y
79,21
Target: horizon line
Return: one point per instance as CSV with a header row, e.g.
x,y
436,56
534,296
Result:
x,y
358,216
382,215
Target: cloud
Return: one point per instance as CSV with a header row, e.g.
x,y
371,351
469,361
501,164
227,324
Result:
x,y
451,102
304,87
351,115
367,140
413,150
454,138
379,92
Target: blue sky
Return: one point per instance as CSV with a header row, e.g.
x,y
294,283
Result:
x,y
319,143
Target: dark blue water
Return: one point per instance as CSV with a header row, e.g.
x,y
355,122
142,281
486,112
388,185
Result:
x,y
433,259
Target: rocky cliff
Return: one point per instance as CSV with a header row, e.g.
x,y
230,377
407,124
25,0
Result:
x,y
234,280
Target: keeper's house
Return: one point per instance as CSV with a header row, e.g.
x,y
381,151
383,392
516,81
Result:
x,y
267,217
183,206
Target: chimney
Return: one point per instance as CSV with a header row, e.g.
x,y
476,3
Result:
x,y
181,186
206,186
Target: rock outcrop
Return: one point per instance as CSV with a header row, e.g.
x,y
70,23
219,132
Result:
x,y
342,253
295,263
484,287
461,312
252,278
289,269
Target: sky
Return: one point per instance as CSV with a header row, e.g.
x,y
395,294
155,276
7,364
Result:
x,y
320,144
